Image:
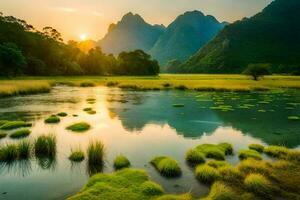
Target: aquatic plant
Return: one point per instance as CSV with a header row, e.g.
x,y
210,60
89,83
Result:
x,y
245,154
62,114
217,163
178,105
76,155
257,147
294,118
217,152
95,153
79,127
52,120
207,174
121,162
91,112
150,188
221,191
9,153
24,149
87,109
166,166
194,157
14,125
258,184
22,133
2,135
45,146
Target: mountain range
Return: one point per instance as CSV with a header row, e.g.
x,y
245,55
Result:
x,y
271,36
180,40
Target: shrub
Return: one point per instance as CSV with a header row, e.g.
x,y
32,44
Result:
x,y
52,120
166,166
207,174
276,151
245,154
76,156
24,149
14,125
257,147
150,188
45,146
220,191
259,185
9,153
20,134
96,153
2,135
62,114
194,157
79,127
121,162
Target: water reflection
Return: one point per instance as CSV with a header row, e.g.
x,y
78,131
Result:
x,y
21,168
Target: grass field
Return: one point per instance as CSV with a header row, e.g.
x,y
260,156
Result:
x,y
31,85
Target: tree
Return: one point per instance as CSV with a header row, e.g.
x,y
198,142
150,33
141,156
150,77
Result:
x,y
12,60
257,70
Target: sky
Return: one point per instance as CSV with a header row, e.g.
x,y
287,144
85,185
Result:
x,y
89,19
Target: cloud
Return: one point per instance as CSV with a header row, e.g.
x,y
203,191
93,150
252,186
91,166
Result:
x,y
99,14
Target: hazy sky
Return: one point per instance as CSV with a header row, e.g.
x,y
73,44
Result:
x,y
92,17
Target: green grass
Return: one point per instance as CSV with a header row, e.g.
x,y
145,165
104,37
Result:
x,y
221,191
276,151
166,166
52,120
257,147
2,135
217,152
24,149
22,133
258,184
131,184
121,162
194,157
76,155
178,105
9,153
45,146
62,114
96,153
249,153
217,163
10,125
253,166
207,174
79,127
87,84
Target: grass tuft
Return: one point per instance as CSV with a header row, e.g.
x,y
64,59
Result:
x,y
87,84
257,147
194,157
217,163
45,146
121,162
166,166
221,191
24,149
76,156
150,188
276,151
62,114
14,125
96,152
9,153
2,135
22,133
207,174
245,154
79,127
52,120
258,184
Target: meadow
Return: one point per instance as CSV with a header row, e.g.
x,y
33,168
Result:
x,y
204,82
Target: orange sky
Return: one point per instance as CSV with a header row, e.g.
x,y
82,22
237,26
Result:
x,y
92,17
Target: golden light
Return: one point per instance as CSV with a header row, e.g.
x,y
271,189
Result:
x,y
83,37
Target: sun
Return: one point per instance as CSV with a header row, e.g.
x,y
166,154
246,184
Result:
x,y
83,37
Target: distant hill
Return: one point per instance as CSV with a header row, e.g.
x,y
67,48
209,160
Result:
x,y
272,36
131,33
185,36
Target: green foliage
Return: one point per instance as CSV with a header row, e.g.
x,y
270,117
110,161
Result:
x,y
257,147
217,152
276,151
14,125
45,146
207,174
221,191
257,70
245,154
121,162
76,156
150,188
24,149
217,163
52,120
166,166
96,153
9,153
87,84
20,133
62,114
79,127
194,157
2,135
259,185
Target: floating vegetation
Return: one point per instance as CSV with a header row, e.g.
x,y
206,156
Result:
x,y
262,111
22,133
194,157
223,108
45,146
91,112
96,152
257,147
91,99
2,135
245,154
121,162
76,155
62,114
79,127
294,118
178,105
166,166
53,119
87,109
14,125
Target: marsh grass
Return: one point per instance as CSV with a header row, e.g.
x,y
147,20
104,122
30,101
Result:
x,y
96,153
24,149
22,133
87,84
150,188
221,191
245,154
253,166
87,109
62,114
259,185
2,135
45,146
91,112
10,125
276,151
194,157
257,147
217,152
52,120
76,155
121,162
9,153
217,163
166,166
207,174
79,127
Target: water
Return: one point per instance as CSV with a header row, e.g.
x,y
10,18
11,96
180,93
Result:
x,y
142,125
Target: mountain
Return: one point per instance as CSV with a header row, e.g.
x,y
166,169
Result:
x,y
131,33
271,36
187,34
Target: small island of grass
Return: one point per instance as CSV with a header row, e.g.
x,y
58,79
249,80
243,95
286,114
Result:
x,y
79,127
22,133
166,166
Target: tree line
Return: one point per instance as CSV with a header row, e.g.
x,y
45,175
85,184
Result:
x,y
27,51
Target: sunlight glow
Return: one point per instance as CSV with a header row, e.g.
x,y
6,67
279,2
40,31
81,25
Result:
x,y
83,37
